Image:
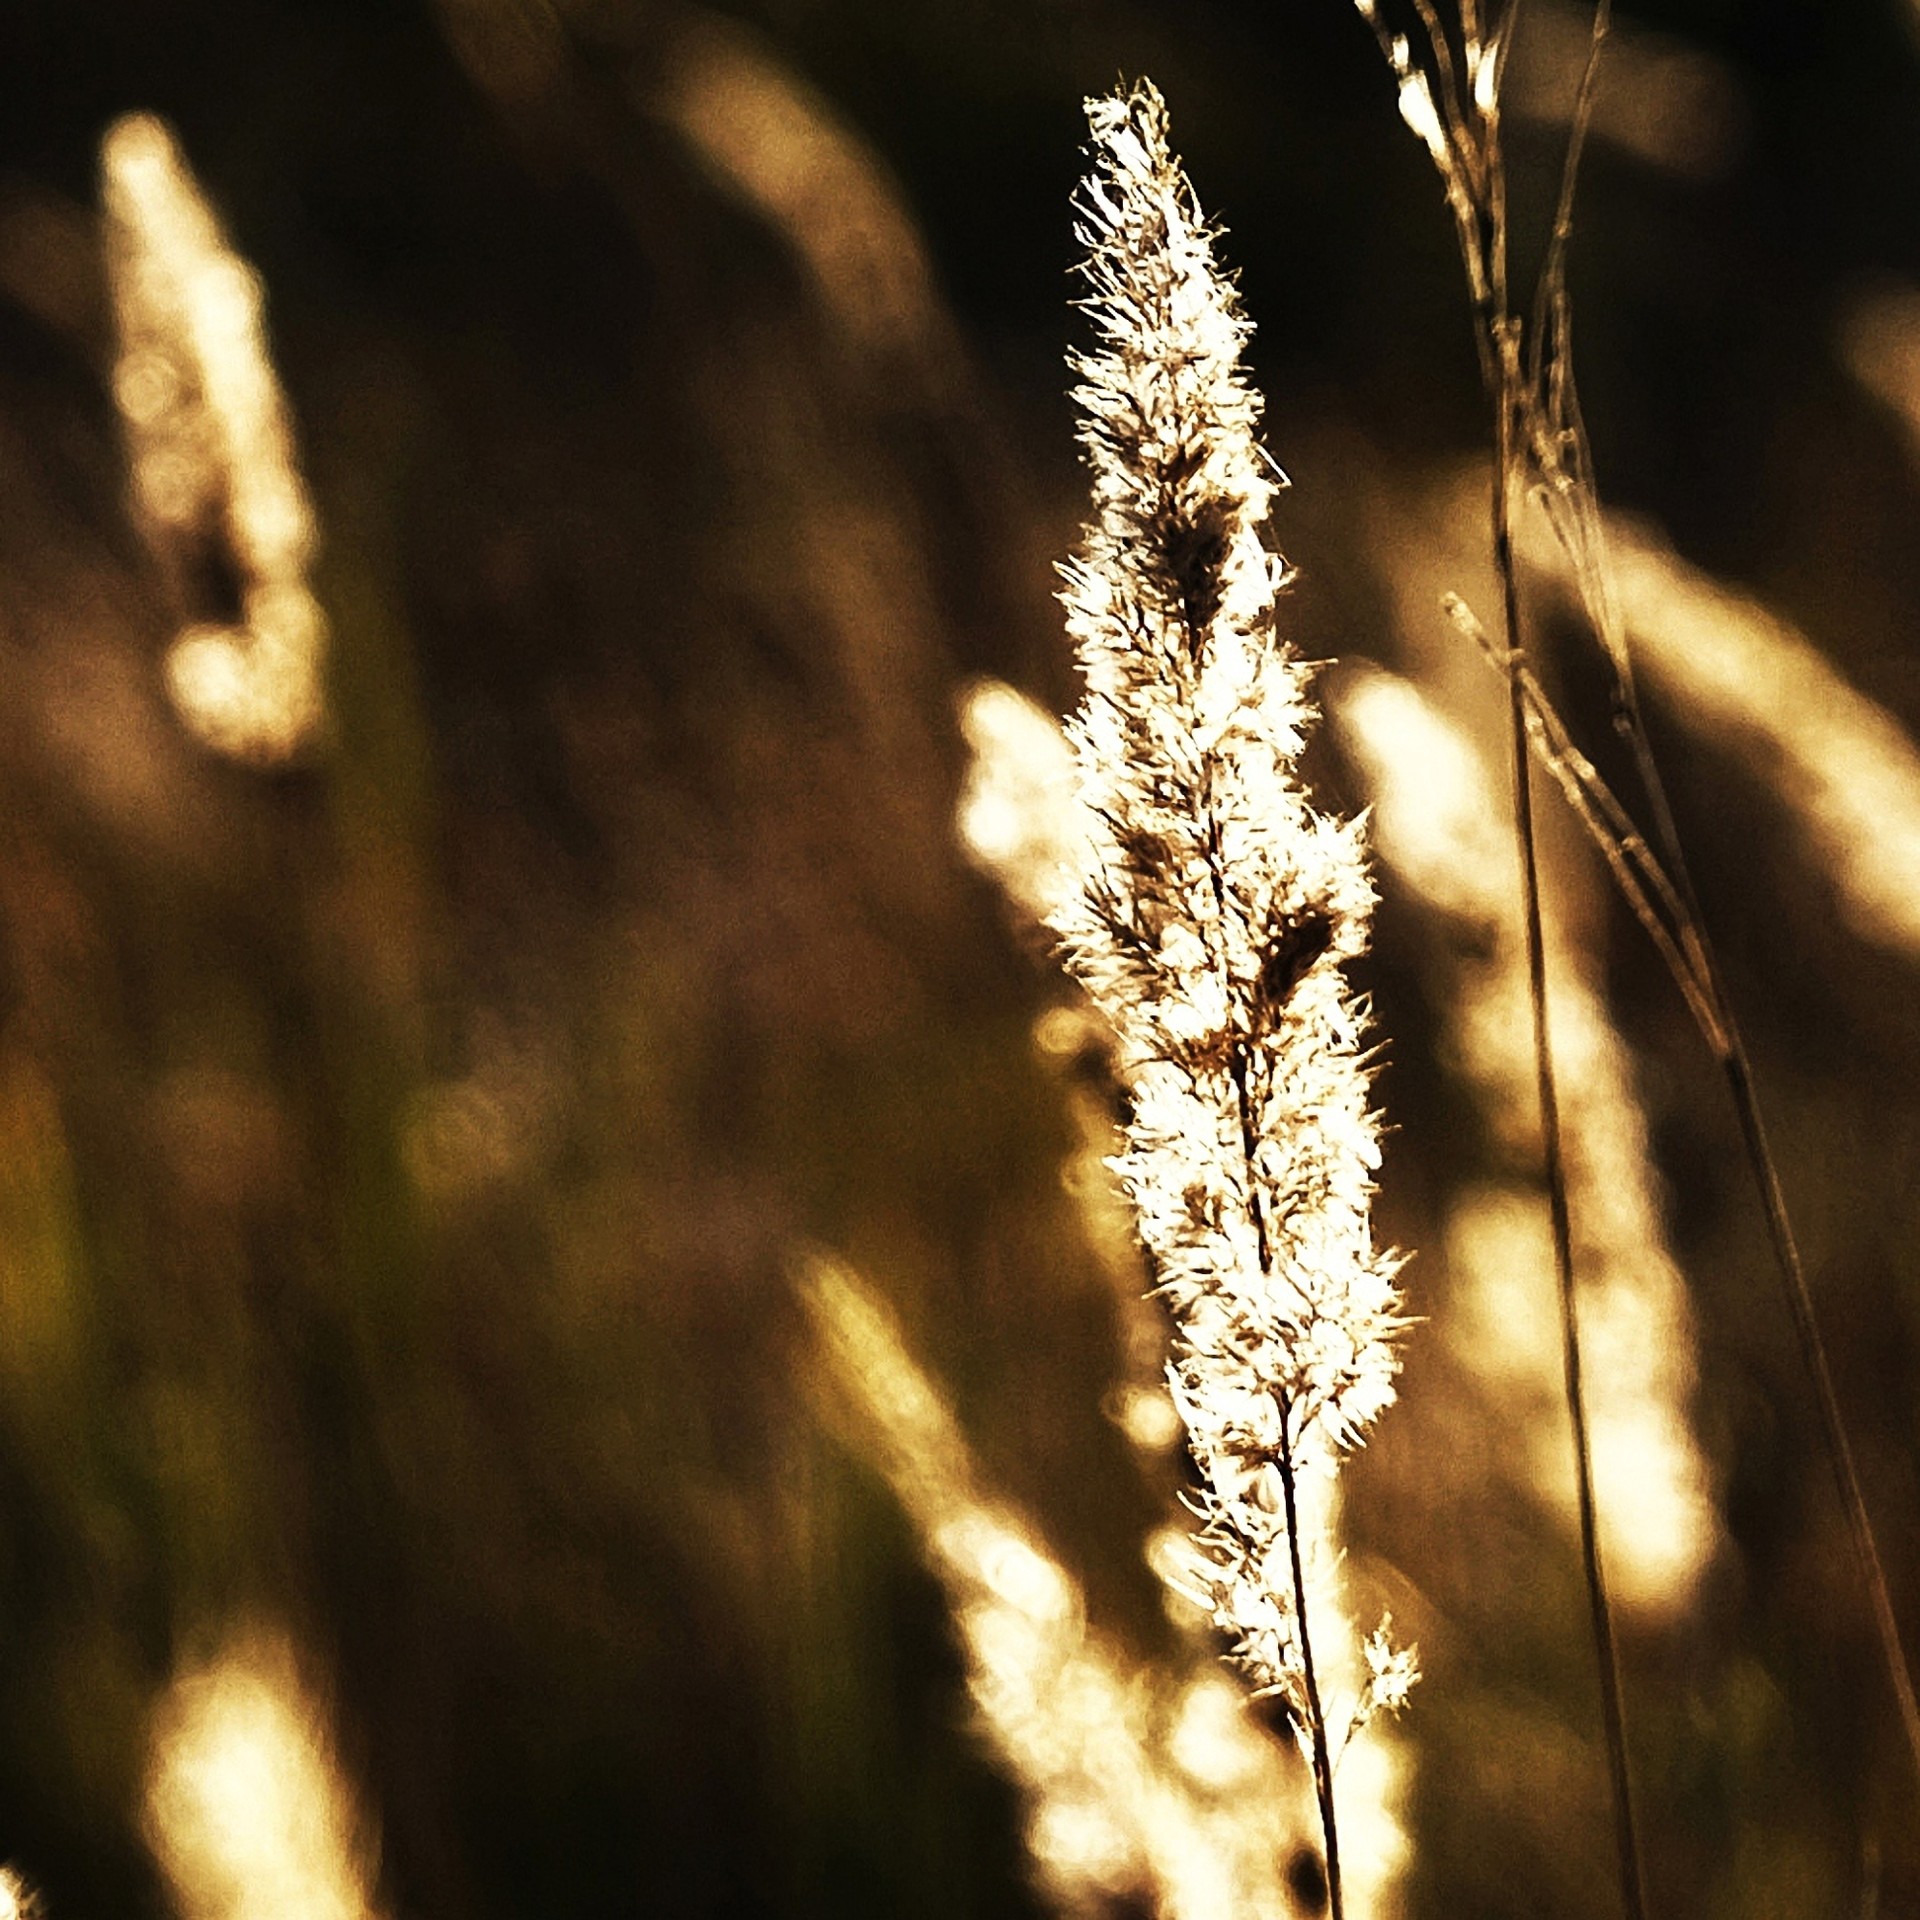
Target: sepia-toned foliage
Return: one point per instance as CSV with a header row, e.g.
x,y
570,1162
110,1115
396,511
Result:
x,y
520,527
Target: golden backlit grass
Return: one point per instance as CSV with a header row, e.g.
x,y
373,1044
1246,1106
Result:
x,y
216,480
247,1810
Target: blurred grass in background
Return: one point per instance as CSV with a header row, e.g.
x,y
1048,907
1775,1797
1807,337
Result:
x,y
401,1155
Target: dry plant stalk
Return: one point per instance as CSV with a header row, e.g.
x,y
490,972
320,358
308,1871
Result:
x,y
215,478
1212,912
1450,97
1140,1785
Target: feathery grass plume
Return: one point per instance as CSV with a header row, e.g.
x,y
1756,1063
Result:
x,y
245,1806
1436,818
215,478
1213,911
1140,1784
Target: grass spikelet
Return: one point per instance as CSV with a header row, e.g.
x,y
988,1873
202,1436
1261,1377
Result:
x,y
216,482
1213,911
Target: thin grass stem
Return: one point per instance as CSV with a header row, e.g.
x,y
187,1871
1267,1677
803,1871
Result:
x,y
1661,894
1473,168
1599,1609
1637,871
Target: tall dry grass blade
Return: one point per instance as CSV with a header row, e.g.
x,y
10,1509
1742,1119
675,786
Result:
x,y
1641,878
1571,501
1716,1025
1734,661
246,1807
1632,1874
1887,757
